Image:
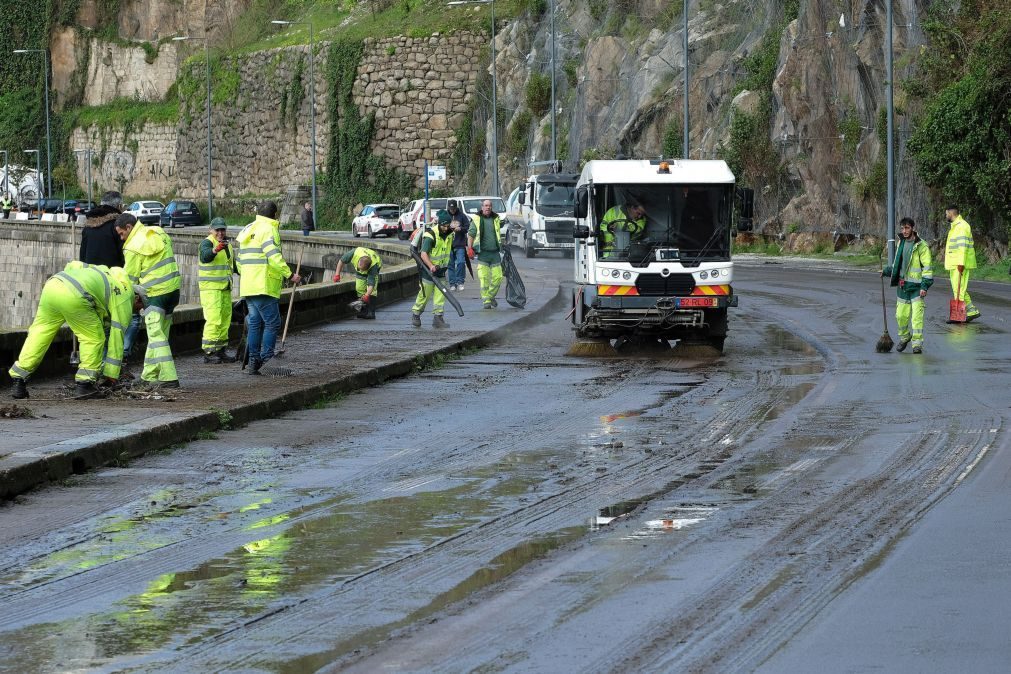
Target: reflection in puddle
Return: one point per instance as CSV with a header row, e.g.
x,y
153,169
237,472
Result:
x,y
609,418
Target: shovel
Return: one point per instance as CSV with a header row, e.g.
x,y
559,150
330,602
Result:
x,y
291,304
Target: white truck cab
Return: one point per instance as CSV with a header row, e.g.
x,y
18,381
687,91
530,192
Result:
x,y
672,277
545,213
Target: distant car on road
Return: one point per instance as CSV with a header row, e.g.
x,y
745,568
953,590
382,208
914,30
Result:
x,y
377,219
76,207
148,212
408,216
179,214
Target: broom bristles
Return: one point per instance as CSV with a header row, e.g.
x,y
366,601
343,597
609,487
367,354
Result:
x,y
590,348
884,344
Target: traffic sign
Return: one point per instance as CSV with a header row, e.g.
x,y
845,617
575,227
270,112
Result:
x,y
436,172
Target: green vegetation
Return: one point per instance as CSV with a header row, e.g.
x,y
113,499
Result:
x,y
518,136
673,138
538,93
126,113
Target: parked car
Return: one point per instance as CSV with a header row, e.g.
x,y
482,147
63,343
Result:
x,y
408,217
52,205
179,214
417,217
148,212
77,207
377,219
472,206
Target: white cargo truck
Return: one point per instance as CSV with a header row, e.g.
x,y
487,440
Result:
x,y
545,219
663,275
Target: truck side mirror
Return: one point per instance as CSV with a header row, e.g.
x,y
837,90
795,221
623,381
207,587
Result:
x,y
582,201
581,232
522,195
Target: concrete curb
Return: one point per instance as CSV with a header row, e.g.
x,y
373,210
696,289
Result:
x,y
78,455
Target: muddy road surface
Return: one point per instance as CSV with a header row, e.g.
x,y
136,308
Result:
x,y
799,502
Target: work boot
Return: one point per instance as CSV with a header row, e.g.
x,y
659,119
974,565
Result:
x,y
212,358
439,322
487,305
172,383
903,343
19,391
494,303
223,356
254,366
917,349
370,312
416,320
85,389
972,317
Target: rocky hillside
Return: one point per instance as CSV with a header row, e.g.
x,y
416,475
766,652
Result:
x,y
790,92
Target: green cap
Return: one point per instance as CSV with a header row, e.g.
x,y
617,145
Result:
x,y
443,216
218,223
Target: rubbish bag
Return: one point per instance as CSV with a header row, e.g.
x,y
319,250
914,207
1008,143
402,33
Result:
x,y
516,292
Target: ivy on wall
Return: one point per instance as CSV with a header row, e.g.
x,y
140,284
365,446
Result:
x,y
353,174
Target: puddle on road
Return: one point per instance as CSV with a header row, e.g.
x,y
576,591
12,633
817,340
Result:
x,y
611,418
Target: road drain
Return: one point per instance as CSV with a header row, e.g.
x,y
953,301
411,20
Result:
x,y
273,371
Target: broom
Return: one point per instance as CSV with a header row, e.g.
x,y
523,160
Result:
x,y
885,342
588,347
291,303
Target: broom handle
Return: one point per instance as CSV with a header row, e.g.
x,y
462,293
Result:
x,y
884,308
291,300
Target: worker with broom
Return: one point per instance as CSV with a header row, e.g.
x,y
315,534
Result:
x,y
262,271
367,265
911,275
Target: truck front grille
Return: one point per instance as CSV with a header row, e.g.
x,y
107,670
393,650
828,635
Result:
x,y
678,285
559,231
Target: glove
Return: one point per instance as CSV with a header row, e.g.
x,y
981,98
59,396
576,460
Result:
x,y
336,278
220,247
366,298
470,252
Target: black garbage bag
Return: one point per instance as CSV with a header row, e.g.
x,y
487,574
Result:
x,y
516,292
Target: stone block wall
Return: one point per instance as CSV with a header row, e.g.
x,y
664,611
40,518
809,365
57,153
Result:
x,y
138,162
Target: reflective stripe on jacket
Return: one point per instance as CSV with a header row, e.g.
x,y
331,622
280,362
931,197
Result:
x,y
959,248
634,228
262,268
149,260
216,274
110,292
375,266
919,272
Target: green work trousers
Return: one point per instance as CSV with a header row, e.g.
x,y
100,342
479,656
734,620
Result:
x,y
158,362
61,304
429,293
217,306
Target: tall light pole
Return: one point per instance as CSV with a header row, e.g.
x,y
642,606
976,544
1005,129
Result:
x,y
87,157
494,90
890,138
312,106
7,174
207,59
38,182
684,47
554,135
49,146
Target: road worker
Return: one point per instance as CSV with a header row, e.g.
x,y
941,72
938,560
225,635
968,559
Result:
x,y
151,264
912,275
6,204
217,264
367,265
485,240
93,300
960,259
434,249
630,218
262,271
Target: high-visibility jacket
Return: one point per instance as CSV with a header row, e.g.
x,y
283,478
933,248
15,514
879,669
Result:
x,y
6,202
216,274
959,248
262,269
375,265
919,270
477,232
110,291
150,261
635,228
442,246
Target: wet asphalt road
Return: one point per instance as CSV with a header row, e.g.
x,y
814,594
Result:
x,y
799,503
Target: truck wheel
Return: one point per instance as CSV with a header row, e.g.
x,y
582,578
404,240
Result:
x,y
528,249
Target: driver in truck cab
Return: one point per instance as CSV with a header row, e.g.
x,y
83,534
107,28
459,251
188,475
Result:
x,y
631,218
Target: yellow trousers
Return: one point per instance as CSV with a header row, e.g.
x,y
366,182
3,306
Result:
x,y
429,293
960,291
490,277
158,362
217,306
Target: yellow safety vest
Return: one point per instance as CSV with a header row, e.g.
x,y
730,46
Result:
x,y
110,291
477,232
959,249
262,268
216,274
150,261
365,252
442,248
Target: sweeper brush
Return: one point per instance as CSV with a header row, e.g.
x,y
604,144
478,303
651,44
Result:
x,y
591,348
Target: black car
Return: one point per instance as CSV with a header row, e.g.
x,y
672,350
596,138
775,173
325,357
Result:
x,y
77,206
52,205
179,214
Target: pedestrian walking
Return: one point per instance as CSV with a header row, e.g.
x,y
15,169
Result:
x,y
308,219
960,260
460,224
911,274
151,264
367,265
262,271
485,241
6,204
217,264
434,249
96,302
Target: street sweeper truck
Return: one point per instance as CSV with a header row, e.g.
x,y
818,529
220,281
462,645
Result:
x,y
652,253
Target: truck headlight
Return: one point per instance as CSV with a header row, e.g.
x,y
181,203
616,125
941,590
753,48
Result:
x,y
540,237
705,275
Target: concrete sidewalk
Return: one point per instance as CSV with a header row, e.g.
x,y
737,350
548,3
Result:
x,y
64,436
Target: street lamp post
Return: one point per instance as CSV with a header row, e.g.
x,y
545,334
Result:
x,y
312,106
554,135
7,174
207,59
87,157
38,182
49,146
684,47
496,187
890,139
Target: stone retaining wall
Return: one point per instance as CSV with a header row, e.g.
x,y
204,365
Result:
x,y
137,162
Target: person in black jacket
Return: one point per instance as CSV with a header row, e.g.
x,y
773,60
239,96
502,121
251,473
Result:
x,y
308,219
99,242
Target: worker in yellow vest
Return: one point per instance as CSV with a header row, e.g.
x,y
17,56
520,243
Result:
x,y
217,264
434,248
960,260
94,301
151,264
367,265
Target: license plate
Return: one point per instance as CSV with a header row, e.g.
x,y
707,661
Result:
x,y
696,302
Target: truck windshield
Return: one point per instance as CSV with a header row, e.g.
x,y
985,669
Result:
x,y
554,198
690,223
